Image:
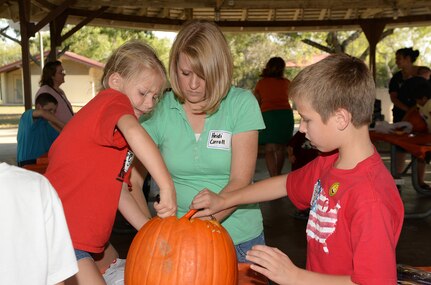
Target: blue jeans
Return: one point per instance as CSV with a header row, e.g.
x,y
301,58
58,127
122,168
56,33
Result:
x,y
242,248
80,254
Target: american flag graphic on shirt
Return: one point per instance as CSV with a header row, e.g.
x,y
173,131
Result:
x,y
322,220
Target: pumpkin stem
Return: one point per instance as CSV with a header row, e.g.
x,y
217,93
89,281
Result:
x,y
190,213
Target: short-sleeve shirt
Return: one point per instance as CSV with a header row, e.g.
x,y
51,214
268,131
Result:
x,y
273,93
355,218
87,163
34,137
206,162
35,242
404,94
64,108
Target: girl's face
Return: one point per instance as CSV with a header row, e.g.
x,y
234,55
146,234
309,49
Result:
x,y
143,89
191,85
59,75
322,136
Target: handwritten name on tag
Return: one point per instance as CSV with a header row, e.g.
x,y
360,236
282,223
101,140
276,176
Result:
x,y
219,140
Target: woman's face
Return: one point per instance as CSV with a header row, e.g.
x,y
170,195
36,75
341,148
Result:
x,y
402,61
191,85
59,75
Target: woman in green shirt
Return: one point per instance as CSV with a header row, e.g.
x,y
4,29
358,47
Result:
x,y
207,130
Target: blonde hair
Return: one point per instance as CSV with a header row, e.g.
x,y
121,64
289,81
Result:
x,y
338,81
131,58
207,49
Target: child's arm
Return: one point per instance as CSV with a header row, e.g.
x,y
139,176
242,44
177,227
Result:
x,y
243,164
130,209
137,178
51,118
147,152
278,267
265,190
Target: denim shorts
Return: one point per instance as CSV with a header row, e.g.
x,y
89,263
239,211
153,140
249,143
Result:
x,y
80,254
242,248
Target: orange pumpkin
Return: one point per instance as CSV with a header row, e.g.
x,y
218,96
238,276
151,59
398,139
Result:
x,y
188,251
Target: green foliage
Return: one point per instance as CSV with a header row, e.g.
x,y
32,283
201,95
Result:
x,y
250,51
10,52
99,42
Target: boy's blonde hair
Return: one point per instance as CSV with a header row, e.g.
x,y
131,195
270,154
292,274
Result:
x,y
208,51
131,58
338,81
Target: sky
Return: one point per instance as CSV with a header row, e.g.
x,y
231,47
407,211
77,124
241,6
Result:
x,y
169,35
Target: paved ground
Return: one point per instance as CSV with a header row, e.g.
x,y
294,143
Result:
x,y
8,145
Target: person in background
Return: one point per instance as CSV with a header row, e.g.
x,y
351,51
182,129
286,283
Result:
x,y
35,241
52,77
299,153
422,95
425,72
272,94
37,130
90,162
402,99
207,130
356,213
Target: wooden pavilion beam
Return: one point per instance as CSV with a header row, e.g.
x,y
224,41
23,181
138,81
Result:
x,y
347,23
373,32
84,22
25,26
55,13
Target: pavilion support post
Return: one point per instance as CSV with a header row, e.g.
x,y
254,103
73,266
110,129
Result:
x,y
373,32
26,33
55,28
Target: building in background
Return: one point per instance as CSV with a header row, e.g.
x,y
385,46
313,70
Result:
x,y
82,80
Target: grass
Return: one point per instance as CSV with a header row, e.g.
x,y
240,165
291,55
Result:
x,y
10,115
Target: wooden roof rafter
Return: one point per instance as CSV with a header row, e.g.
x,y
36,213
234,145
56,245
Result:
x,y
168,15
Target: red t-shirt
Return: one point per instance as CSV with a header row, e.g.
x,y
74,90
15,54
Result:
x,y
87,164
273,93
355,219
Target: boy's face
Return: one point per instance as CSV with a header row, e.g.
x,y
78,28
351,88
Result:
x,y
323,136
50,107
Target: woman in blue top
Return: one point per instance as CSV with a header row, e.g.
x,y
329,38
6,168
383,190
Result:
x,y
207,130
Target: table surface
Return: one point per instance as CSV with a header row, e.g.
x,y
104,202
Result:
x,y
417,144
247,276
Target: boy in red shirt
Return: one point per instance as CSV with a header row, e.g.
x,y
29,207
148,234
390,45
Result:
x,y
356,213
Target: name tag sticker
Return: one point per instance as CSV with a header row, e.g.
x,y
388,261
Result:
x,y
219,140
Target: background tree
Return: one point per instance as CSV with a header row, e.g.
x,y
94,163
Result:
x,y
250,51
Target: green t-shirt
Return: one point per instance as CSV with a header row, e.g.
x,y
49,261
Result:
x,y
206,162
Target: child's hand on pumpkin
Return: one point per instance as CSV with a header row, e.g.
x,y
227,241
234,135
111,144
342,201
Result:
x,y
167,206
207,202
